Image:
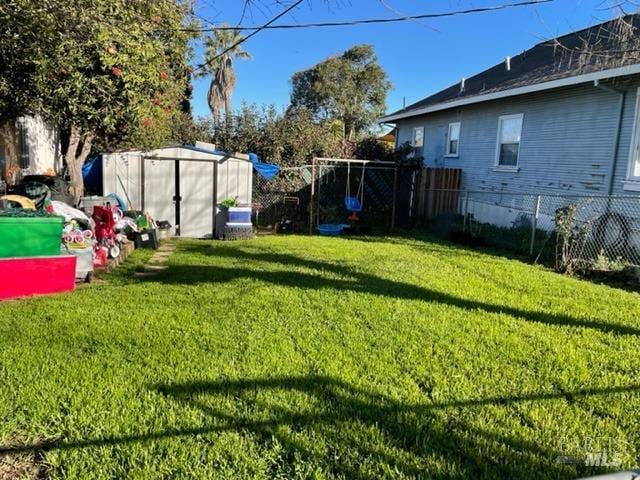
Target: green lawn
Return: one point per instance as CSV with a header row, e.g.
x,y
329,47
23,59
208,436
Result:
x,y
308,357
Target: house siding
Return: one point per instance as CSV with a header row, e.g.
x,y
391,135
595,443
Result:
x,y
37,144
43,145
568,136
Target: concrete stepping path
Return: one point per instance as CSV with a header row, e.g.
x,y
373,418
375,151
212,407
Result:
x,y
157,262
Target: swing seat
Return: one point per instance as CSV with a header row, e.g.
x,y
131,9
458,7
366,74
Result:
x,y
352,204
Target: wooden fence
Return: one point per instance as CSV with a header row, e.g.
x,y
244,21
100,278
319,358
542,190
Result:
x,y
438,191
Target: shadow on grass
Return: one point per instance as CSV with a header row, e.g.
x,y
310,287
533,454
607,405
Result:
x,y
423,241
352,280
355,433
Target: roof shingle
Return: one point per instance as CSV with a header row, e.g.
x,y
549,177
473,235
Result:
x,y
597,48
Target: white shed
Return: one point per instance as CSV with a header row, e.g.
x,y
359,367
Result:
x,y
181,184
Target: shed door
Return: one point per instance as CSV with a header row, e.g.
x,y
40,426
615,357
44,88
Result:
x,y
159,188
197,205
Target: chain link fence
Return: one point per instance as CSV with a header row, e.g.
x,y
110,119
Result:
x,y
575,232
282,203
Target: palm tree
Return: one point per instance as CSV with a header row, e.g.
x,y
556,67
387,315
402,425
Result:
x,y
219,64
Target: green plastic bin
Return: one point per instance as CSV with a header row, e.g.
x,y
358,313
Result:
x,y
30,237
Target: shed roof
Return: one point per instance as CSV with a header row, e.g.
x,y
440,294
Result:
x,y
191,153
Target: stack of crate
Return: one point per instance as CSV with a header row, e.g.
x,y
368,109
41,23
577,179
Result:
x,y
30,259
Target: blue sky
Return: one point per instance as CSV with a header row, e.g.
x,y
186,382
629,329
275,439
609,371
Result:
x,y
420,57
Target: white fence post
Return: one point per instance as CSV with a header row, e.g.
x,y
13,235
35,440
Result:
x,y
534,224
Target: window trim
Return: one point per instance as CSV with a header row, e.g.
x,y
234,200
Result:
x,y
632,182
24,152
496,162
3,162
413,131
447,152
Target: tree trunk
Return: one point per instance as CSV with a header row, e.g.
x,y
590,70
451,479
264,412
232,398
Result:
x,y
215,110
75,160
9,135
227,117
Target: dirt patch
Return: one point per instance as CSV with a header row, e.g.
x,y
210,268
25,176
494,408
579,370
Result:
x,y
23,465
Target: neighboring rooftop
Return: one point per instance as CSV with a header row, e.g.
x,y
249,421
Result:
x,y
612,45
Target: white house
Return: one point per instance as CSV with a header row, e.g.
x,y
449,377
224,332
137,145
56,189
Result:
x,y
36,145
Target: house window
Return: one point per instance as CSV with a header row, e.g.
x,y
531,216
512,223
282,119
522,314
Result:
x,y
3,163
417,139
453,139
633,173
508,146
24,144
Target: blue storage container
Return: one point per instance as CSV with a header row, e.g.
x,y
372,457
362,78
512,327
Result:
x,y
239,215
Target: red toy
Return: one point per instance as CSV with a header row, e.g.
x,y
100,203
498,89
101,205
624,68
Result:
x,y
105,229
100,259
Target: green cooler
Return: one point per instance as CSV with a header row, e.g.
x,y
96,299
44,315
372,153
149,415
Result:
x,y
30,237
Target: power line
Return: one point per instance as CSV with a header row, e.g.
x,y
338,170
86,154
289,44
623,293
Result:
x,y
244,39
204,19
374,20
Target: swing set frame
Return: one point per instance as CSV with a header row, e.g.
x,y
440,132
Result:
x,y
318,162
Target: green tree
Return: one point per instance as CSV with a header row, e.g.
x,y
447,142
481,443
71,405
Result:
x,y
288,138
187,130
99,69
222,48
351,88
372,148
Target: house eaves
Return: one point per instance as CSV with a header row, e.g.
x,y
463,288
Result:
x,y
539,87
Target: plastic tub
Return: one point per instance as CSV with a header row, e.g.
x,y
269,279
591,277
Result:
x,y
239,215
239,224
37,276
84,262
331,229
87,203
30,237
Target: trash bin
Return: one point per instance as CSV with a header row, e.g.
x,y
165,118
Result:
x,y
146,239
